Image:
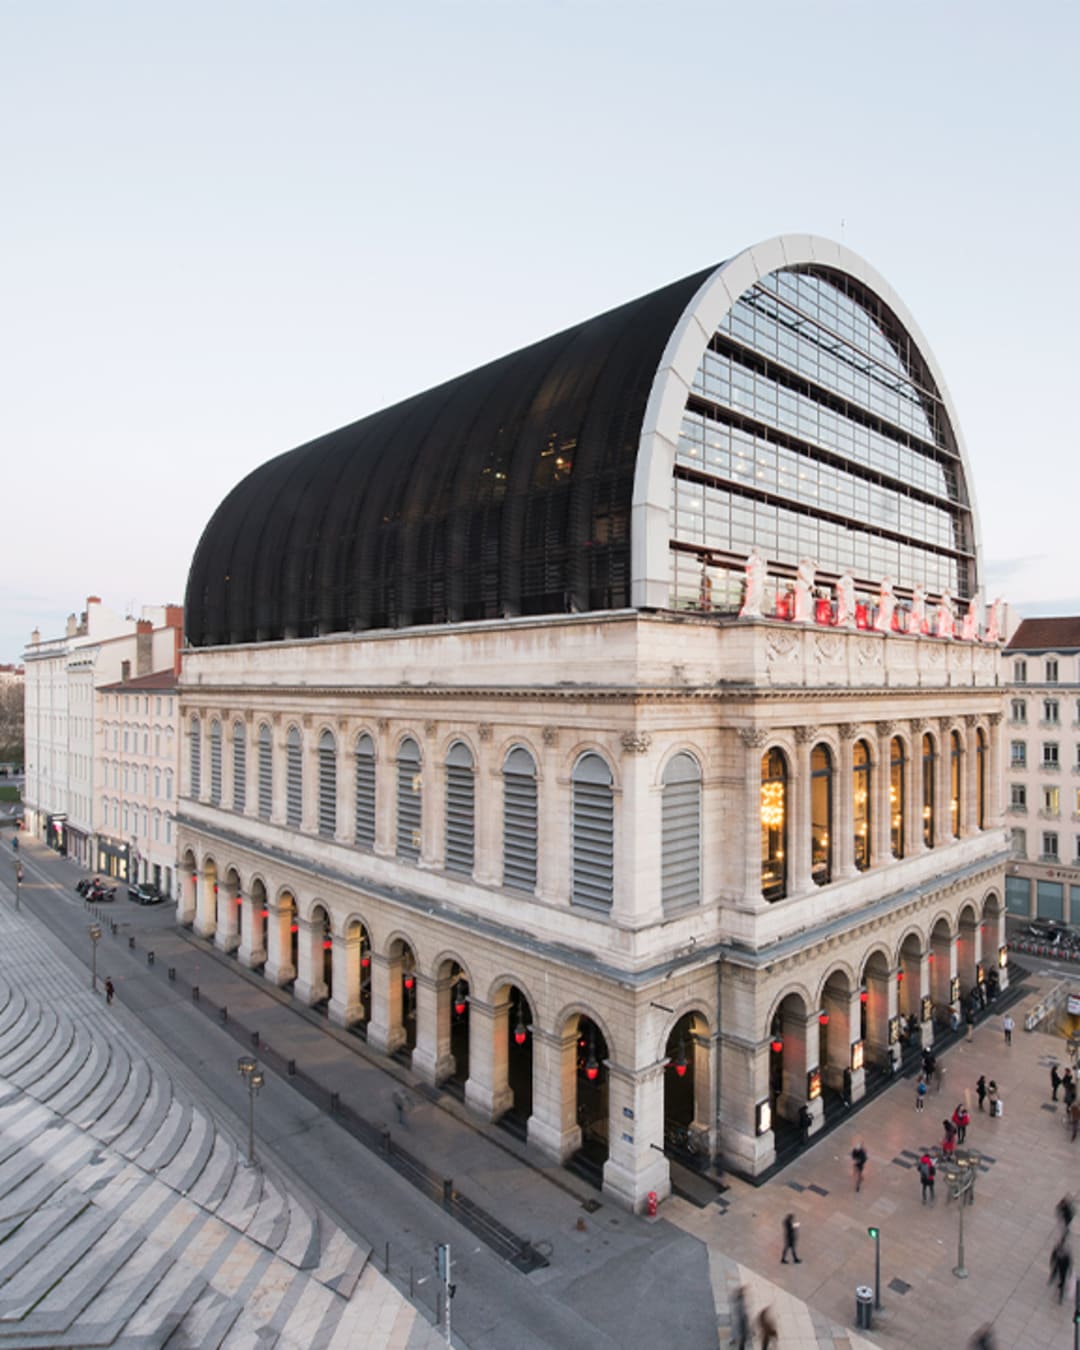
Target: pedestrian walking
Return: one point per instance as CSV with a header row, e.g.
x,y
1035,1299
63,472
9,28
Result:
x,y
980,1090
928,1063
954,1019
948,1138
791,1239
1068,1087
1055,1082
1074,1119
766,1329
399,1106
740,1319
927,1175
995,1100
1065,1211
806,1120
920,1092
969,1018
1007,1026
110,990
983,1339
961,1119
1060,1265
858,1158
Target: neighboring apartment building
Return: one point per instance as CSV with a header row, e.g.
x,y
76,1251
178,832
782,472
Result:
x,y
1042,799
599,729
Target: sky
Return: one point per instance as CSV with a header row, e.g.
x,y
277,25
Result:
x,y
229,227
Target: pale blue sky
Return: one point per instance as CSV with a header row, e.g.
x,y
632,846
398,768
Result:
x,y
229,227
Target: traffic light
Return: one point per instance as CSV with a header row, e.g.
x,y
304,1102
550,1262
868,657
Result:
x,y
874,1233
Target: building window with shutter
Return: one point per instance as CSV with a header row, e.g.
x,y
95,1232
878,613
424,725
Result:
x,y
460,809
294,779
410,801
266,772
215,763
365,791
519,820
593,833
239,759
327,785
196,759
680,833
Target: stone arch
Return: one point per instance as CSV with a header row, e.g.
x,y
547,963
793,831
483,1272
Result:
x,y
794,987
573,758
838,966
407,735
525,741
579,1008
673,752
688,1053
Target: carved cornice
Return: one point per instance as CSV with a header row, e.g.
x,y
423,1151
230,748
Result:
x,y
918,725
752,737
383,724
847,731
483,730
804,735
994,718
636,742
551,735
970,720
430,728
885,729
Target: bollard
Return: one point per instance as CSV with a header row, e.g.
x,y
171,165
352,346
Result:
x,y
195,992
386,1139
172,972
150,958
114,927
651,1205
224,1014
131,942
864,1307
448,1191
291,1068
254,1040
335,1102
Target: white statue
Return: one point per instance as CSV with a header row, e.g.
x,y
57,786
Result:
x,y
945,619
969,629
754,591
886,607
917,617
993,627
845,601
804,592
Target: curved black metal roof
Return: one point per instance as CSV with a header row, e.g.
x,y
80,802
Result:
x,y
505,491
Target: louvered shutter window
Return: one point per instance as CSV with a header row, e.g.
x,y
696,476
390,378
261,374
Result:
x,y
519,821
680,868
409,800
460,809
365,791
239,772
215,762
327,785
593,881
294,779
196,758
266,772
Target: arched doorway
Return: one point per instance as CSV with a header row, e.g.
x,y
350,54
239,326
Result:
x,y
253,951
995,957
910,994
403,985
941,942
591,1085
284,939
189,889
227,916
358,976
687,1114
877,981
321,938
519,1055
452,1023
788,1061
206,915
967,952
836,1036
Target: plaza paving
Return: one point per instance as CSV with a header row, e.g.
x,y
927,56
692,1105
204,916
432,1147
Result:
x,y
611,1279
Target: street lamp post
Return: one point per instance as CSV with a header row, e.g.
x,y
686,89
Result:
x,y
252,1075
960,1177
18,885
95,938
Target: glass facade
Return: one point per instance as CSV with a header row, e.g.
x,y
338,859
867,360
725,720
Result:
x,y
814,430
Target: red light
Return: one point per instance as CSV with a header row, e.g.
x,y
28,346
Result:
x,y
899,976
823,1018
459,1007
365,961
294,928
783,607
215,888
409,981
862,619
776,1046
265,913
930,957
327,944
680,1070
239,899
520,1034
592,1070
863,996
823,611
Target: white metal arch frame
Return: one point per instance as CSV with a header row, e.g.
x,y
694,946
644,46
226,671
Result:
x,y
650,510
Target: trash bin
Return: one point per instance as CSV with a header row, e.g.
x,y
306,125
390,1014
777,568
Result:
x,y
864,1307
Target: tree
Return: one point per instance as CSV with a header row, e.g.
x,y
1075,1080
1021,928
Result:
x,y
11,723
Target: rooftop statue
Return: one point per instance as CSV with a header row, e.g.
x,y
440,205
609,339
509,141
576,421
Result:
x,y
754,590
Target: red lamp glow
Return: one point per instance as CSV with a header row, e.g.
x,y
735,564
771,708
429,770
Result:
x,y
823,611
520,1034
459,1001
776,1045
863,996
679,1064
823,1018
327,944
592,1069
365,961
294,928
409,981
899,976
265,913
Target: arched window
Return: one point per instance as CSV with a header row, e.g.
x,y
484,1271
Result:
x,y
980,781
266,772
592,833
196,758
862,797
821,794
410,802
294,779
327,784
929,791
239,771
365,791
897,762
956,767
680,832
168,784
774,778
157,782
460,809
519,820
215,763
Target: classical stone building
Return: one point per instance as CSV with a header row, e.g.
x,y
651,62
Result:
x,y
616,729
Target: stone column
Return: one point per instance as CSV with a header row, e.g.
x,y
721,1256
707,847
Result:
x,y
386,1031
189,893
346,788
251,766
432,803
753,743
205,916
309,776
552,853
345,1004
744,1083
226,759
280,774
994,777
881,824
944,784
487,859
310,987
252,949
385,791
916,840
880,1010
970,806
279,967
487,1090
844,806
635,1123
553,1127
942,958
227,936
799,842
637,900
431,1057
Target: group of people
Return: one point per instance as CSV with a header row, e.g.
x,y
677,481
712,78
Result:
x,y
1061,1257
1066,1084
764,1323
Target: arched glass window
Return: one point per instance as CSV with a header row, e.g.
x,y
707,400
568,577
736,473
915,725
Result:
x,y
980,781
460,809
409,800
862,799
266,772
956,767
592,833
239,769
774,781
168,784
196,758
519,820
365,791
327,784
897,763
929,791
294,779
680,832
821,831
215,763
157,782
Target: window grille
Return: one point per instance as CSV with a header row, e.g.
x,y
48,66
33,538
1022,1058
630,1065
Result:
x,y
239,759
215,763
460,809
196,758
266,772
593,827
294,779
680,868
365,791
327,785
519,821
409,800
